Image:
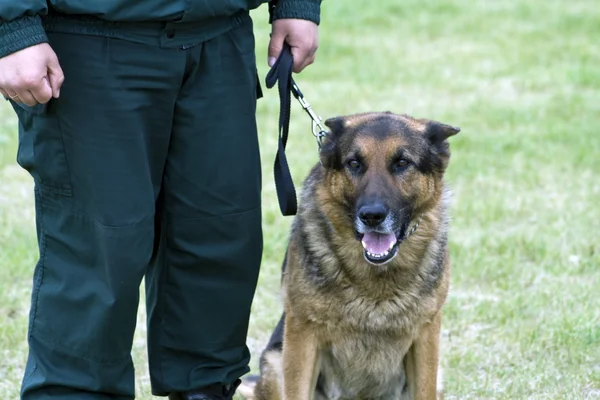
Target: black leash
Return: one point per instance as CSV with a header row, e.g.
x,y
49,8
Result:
x,y
281,72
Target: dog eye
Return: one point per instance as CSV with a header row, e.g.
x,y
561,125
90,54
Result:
x,y
353,164
400,165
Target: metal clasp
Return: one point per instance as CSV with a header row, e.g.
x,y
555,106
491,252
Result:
x,y
318,130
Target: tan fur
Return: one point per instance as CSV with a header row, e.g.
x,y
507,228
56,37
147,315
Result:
x,y
363,329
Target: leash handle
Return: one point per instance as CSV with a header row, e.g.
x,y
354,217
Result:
x,y
281,73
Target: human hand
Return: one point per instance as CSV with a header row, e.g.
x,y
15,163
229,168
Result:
x,y
31,76
301,35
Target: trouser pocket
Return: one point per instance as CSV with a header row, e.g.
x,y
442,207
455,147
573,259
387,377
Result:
x,y
41,148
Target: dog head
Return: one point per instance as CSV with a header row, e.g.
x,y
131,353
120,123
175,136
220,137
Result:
x,y
386,170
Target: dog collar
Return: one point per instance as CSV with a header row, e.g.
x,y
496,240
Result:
x,y
414,228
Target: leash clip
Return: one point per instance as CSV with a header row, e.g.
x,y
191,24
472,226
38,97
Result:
x,y
318,130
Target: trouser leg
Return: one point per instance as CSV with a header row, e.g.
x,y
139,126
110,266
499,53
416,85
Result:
x,y
97,156
202,281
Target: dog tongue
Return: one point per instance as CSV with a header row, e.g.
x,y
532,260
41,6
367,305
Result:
x,y
377,243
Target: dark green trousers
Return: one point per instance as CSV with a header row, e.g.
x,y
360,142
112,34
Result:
x,y
146,166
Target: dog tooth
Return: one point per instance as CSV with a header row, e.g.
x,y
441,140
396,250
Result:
x,y
382,255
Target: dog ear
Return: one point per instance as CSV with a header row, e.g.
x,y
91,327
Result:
x,y
437,132
329,153
336,125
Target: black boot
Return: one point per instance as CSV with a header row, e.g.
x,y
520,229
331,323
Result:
x,y
212,392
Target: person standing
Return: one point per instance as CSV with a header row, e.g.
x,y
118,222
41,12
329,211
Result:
x,y
137,123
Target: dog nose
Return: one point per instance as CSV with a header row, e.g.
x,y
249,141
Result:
x,y
372,214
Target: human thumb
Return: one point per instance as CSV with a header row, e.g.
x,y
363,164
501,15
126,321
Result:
x,y
275,46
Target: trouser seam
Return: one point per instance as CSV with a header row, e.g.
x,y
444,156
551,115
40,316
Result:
x,y
41,262
29,375
226,215
69,191
55,345
161,292
101,224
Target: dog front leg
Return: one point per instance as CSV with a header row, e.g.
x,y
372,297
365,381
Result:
x,y
422,361
300,360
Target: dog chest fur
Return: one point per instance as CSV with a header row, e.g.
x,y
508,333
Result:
x,y
364,338
356,367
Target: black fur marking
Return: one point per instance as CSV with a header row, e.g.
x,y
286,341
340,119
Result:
x,y
321,385
329,152
434,160
309,260
349,204
427,158
404,226
437,133
431,163
335,124
330,156
325,226
275,341
405,385
434,275
383,127
439,149
284,264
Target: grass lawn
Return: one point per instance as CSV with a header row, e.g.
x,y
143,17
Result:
x,y
522,80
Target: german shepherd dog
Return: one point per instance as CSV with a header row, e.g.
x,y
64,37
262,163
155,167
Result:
x,y
367,267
